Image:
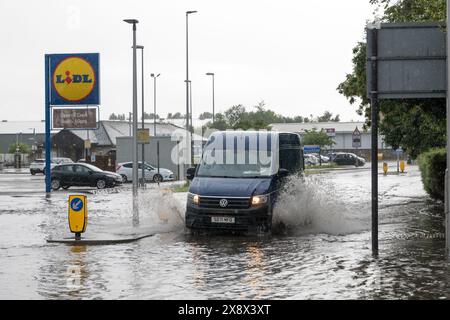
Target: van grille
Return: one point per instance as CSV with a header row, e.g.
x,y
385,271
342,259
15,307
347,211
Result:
x,y
233,203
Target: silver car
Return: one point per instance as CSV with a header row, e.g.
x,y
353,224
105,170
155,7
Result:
x,y
125,169
38,165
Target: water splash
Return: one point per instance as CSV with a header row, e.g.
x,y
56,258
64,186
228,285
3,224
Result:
x,y
311,205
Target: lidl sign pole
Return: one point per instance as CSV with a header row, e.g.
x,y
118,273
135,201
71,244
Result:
x,y
70,80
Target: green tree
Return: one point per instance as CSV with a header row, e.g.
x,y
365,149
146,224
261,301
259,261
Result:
x,y
416,125
328,117
205,115
319,138
23,148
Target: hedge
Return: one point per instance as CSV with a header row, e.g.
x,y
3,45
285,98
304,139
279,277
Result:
x,y
432,166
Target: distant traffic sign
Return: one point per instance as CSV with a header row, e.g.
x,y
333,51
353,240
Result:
x,y
311,149
356,138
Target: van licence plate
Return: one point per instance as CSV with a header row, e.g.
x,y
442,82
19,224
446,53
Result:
x,y
222,220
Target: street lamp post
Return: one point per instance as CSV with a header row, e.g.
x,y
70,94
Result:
x,y
191,127
187,76
135,149
143,123
154,101
212,74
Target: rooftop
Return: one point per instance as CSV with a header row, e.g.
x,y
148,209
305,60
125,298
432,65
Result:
x,y
343,127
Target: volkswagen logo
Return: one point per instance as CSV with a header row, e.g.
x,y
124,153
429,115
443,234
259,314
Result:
x,y
223,203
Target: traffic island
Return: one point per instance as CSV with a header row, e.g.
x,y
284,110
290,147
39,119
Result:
x,y
100,240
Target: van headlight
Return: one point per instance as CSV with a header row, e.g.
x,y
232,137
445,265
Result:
x,y
195,199
259,200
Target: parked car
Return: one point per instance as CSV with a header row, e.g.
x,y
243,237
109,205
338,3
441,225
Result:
x,y
331,155
325,159
125,169
349,159
83,174
37,166
310,160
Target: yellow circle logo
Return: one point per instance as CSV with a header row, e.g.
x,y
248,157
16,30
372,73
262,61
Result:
x,y
74,79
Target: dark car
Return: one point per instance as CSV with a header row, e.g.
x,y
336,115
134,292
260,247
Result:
x,y
239,195
83,174
349,159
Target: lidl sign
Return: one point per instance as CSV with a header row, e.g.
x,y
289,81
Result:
x,y
75,79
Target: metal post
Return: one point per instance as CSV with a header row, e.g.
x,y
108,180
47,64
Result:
x,y
213,99
154,100
447,206
135,150
48,142
374,131
135,123
213,108
192,125
154,106
143,123
157,154
187,80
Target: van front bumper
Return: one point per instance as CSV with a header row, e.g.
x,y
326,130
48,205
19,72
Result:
x,y
244,219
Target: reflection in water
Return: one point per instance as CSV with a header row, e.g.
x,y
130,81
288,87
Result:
x,y
256,277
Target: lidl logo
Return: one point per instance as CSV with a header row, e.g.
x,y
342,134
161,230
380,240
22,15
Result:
x,y
74,79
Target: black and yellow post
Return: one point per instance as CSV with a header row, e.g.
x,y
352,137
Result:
x,y
77,215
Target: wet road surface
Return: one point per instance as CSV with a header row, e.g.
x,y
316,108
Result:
x,y
325,254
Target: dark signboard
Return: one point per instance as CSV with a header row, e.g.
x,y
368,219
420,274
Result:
x,y
411,60
75,118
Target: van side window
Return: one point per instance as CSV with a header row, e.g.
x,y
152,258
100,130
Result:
x,y
291,159
291,154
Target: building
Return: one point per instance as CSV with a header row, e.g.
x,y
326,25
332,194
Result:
x,y
342,135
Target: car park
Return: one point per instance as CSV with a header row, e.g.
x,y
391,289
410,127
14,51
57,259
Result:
x,y
349,159
125,169
83,174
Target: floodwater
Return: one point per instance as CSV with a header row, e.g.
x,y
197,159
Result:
x,y
324,254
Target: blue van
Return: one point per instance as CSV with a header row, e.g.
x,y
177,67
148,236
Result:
x,y
235,186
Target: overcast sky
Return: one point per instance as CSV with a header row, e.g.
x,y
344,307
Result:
x,y
290,53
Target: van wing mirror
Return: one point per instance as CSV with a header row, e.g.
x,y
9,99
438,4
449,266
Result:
x,y
283,173
190,173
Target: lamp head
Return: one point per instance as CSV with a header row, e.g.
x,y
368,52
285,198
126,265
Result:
x,y
210,74
131,21
189,12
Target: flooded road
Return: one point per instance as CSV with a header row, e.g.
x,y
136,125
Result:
x,y
325,254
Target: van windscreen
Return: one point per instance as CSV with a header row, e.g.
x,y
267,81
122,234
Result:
x,y
237,156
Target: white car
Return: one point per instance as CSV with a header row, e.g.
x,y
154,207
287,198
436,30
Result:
x,y
125,169
38,165
311,160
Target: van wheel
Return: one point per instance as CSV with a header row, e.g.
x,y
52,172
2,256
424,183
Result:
x,y
33,172
124,178
101,184
56,184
